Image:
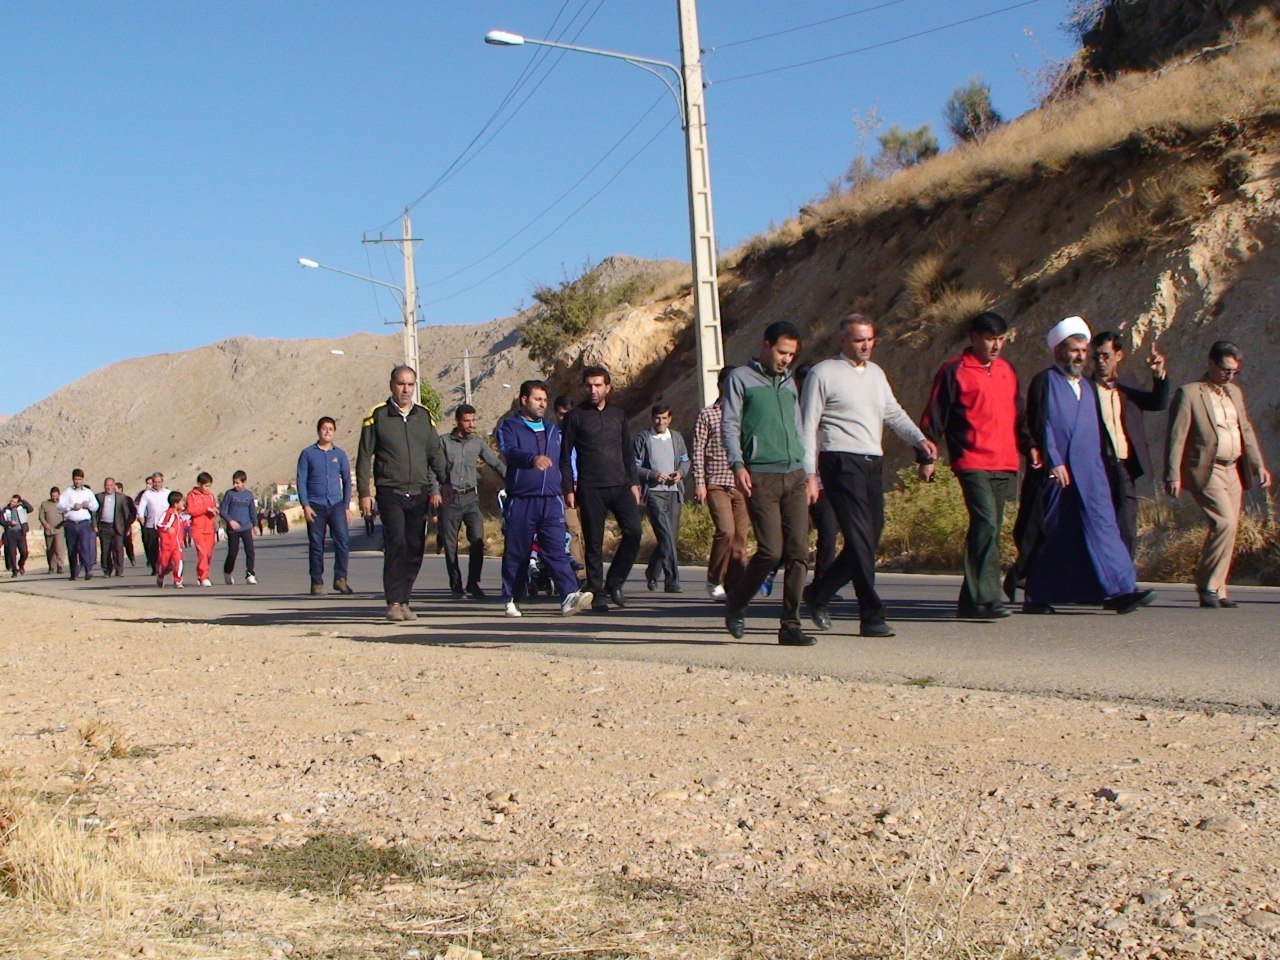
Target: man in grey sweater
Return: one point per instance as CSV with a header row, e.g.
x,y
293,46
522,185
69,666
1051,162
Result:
x,y
847,403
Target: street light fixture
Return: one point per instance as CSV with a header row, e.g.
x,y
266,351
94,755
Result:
x,y
407,308
688,92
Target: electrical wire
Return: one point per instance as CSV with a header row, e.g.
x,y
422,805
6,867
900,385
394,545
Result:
x,y
554,203
803,26
874,46
556,229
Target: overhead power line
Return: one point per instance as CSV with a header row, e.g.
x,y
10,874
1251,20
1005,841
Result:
x,y
804,26
874,46
556,229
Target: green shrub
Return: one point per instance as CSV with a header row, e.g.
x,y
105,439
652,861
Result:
x,y
926,523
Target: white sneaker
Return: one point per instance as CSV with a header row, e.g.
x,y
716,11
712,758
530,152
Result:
x,y
715,591
228,579
251,579
179,586
206,582
513,610
576,602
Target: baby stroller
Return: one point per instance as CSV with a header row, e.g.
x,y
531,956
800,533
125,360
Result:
x,y
537,577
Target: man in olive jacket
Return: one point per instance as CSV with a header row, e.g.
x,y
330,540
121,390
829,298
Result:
x,y
400,458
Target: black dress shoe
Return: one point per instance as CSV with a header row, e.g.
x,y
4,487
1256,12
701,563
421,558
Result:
x,y
617,596
476,592
983,611
673,588
456,593
1129,602
1210,598
820,615
652,584
736,624
599,606
795,637
1037,608
876,629
1227,603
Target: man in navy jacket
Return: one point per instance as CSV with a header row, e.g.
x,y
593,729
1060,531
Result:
x,y
531,447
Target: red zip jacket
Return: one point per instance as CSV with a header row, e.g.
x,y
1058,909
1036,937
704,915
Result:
x,y
979,411
203,509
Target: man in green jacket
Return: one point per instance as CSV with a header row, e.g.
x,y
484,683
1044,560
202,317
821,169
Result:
x,y
402,460
761,431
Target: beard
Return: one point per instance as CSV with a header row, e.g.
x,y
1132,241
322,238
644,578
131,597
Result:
x,y
1074,369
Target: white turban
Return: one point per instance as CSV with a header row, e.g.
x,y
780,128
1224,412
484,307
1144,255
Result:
x,y
1070,327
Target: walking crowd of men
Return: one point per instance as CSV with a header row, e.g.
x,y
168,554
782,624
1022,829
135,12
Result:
x,y
772,455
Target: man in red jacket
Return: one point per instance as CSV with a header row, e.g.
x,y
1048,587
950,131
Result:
x,y
202,507
977,406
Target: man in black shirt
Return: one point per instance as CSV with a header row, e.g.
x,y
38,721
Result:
x,y
597,444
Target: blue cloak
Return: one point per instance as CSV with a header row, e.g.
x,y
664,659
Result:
x,y
1080,557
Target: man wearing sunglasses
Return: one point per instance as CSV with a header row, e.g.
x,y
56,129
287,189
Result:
x,y
1213,452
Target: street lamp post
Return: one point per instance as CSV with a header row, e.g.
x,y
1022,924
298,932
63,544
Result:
x,y
408,307
687,88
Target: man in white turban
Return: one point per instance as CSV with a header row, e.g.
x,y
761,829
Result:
x,y
1071,548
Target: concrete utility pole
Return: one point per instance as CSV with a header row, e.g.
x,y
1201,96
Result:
x,y
466,375
410,300
702,236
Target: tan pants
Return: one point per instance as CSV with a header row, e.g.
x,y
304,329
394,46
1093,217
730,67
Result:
x,y
1221,501
728,557
573,523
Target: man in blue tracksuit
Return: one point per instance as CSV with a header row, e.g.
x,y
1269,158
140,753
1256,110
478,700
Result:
x,y
324,490
531,447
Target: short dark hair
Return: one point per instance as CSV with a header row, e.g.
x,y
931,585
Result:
x,y
798,373
1222,349
781,329
54,490
562,402
239,475
400,368
174,497
1107,336
597,371
659,408
204,477
855,319
323,420
527,388
723,375
462,410
989,323
77,472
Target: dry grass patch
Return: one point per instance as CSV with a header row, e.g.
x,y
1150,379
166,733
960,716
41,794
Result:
x,y
1152,214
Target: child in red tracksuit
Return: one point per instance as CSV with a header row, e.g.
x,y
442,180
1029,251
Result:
x,y
202,507
169,530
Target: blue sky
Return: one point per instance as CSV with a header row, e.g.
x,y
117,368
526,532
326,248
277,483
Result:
x,y
163,165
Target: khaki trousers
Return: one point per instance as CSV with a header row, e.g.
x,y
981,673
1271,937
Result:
x,y
573,523
729,544
1221,501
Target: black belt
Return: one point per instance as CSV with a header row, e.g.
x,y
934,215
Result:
x,y
1225,463
464,489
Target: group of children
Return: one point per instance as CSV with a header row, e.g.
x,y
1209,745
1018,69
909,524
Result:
x,y
198,514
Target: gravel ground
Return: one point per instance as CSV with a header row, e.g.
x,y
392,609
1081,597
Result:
x,y
620,809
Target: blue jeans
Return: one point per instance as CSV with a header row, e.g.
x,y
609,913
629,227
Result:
x,y
333,517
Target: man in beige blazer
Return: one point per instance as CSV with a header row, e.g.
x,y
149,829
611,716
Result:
x,y
1212,451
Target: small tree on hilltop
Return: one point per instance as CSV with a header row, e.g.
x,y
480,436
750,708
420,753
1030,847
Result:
x,y
969,113
900,148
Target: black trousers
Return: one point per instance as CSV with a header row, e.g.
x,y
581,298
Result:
x,y
465,508
594,505
111,550
404,530
234,539
151,547
822,517
854,484
1125,497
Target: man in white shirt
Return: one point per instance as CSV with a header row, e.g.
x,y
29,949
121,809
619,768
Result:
x,y
846,404
77,506
151,507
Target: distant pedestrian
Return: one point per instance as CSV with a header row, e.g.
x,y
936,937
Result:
x,y
597,444
1212,452
761,432
239,511
713,485
115,515
77,506
662,460
55,550
463,448
169,541
324,490
400,455
15,518
152,504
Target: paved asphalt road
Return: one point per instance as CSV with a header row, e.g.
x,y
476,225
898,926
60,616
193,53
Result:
x,y
1171,653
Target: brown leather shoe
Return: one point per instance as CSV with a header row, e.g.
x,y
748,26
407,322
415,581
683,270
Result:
x,y
340,586
317,589
395,612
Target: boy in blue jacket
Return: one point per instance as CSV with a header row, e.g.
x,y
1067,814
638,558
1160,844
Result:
x,y
531,448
